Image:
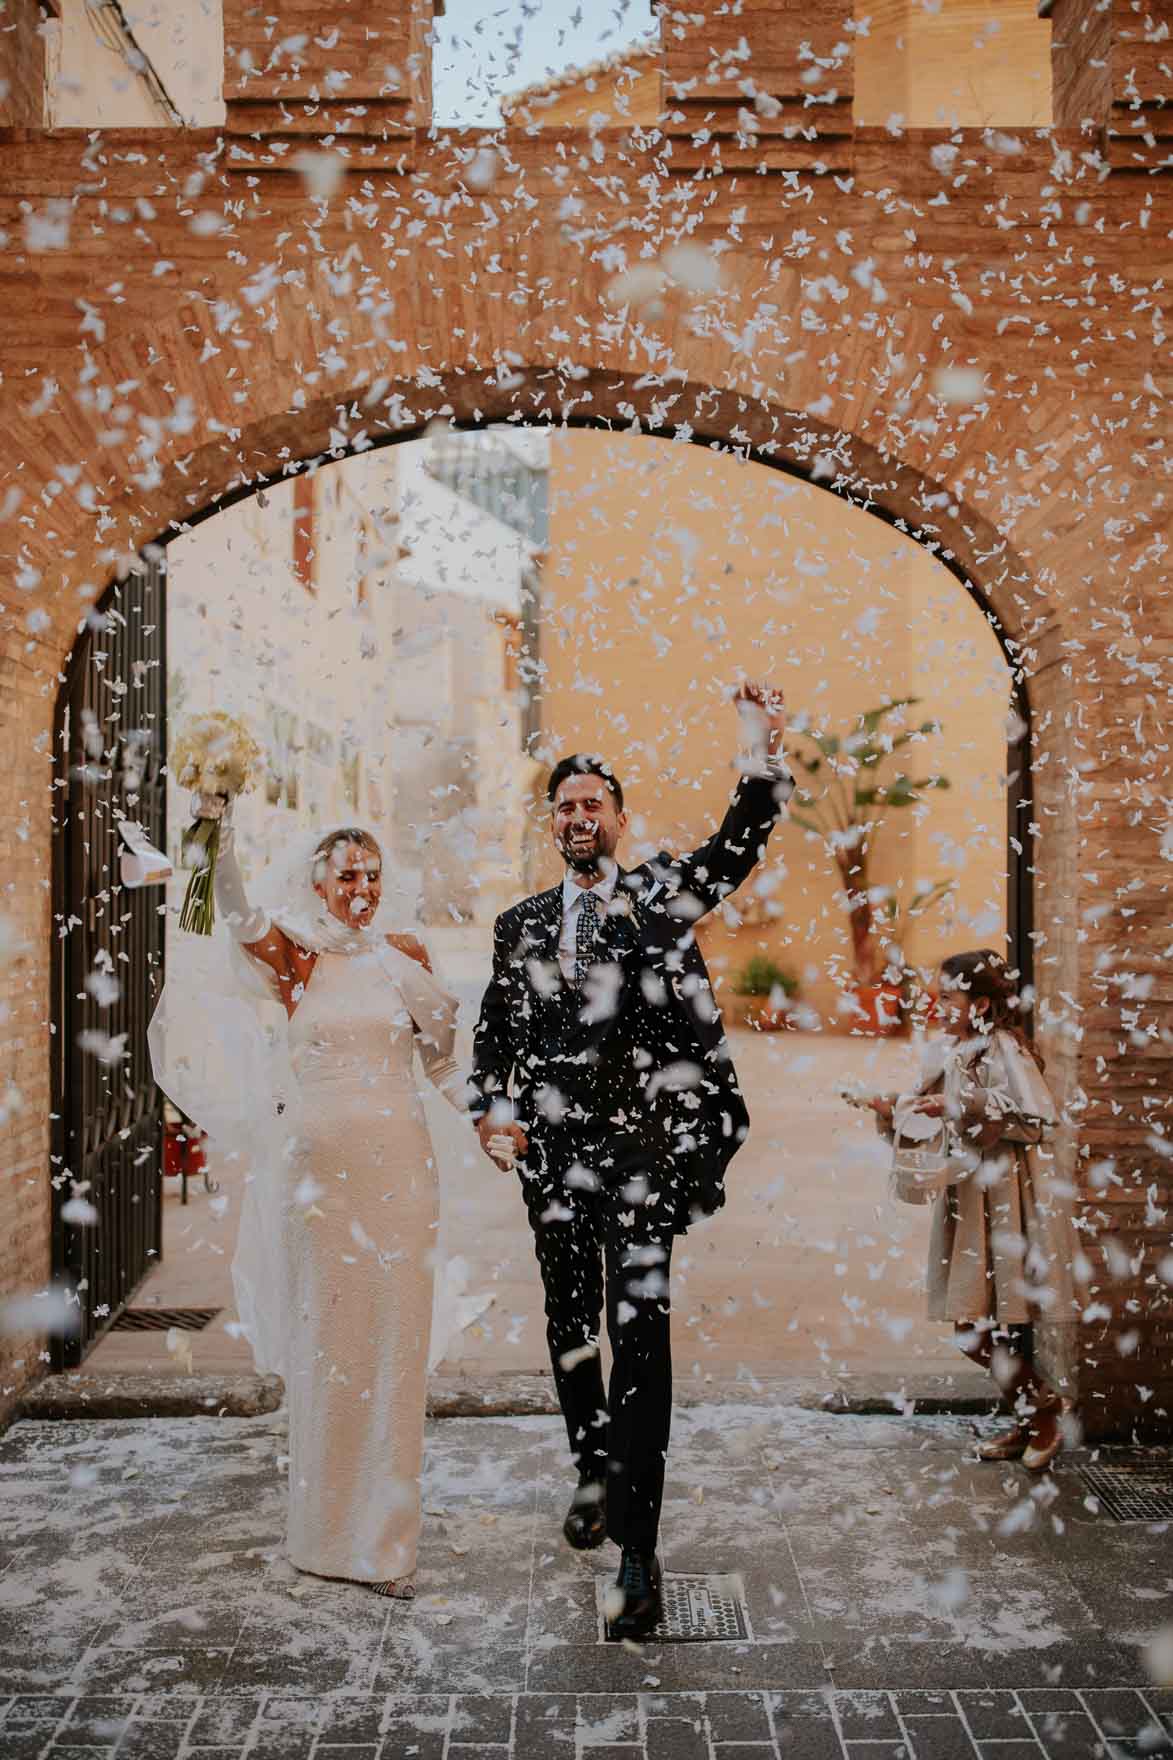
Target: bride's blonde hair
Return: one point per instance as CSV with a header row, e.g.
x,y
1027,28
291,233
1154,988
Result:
x,y
345,834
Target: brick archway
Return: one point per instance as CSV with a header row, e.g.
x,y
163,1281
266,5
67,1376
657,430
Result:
x,y
1019,612
841,465
206,321
756,429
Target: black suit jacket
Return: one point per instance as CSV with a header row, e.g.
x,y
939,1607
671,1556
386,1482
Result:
x,y
659,996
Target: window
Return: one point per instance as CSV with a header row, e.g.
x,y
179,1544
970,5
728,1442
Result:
x,y
487,472
348,774
281,779
304,536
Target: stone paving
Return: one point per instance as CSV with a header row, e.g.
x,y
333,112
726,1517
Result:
x,y
990,1723
903,1600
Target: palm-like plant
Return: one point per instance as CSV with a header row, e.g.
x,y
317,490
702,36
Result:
x,y
847,793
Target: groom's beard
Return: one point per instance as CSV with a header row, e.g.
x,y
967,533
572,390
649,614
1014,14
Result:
x,y
584,855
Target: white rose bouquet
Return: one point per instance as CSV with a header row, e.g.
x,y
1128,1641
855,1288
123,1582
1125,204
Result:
x,y
216,757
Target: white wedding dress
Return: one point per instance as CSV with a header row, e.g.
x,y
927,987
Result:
x,y
335,1258
359,1233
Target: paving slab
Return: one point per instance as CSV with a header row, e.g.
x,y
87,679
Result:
x,y
902,1600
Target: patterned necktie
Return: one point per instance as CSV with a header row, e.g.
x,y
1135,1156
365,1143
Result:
x,y
586,934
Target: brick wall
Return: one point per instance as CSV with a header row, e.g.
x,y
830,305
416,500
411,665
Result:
x,y
22,66
207,320
1081,57
26,703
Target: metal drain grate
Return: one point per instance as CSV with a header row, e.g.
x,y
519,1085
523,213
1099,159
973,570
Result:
x,y
163,1319
697,1610
1133,1487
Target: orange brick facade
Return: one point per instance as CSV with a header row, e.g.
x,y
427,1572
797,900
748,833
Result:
x,y
208,323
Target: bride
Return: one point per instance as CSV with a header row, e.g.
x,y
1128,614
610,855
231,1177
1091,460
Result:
x,y
333,1270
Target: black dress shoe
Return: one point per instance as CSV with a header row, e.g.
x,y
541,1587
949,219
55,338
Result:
x,y
643,1603
585,1526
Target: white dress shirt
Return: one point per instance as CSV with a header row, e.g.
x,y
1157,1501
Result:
x,y
572,897
758,764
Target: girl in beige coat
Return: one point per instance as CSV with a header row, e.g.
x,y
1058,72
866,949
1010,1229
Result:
x,y
1001,1244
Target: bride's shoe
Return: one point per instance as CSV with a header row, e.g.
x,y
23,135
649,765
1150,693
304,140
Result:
x,y
1007,1445
395,1589
1039,1454
1038,1457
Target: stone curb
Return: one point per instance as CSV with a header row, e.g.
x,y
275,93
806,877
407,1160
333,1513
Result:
x,y
73,1397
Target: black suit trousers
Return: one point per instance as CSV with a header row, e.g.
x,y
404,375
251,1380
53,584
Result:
x,y
601,1210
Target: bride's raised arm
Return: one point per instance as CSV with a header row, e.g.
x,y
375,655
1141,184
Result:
x,y
247,924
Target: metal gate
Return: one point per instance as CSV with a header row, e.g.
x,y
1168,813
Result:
x,y
109,757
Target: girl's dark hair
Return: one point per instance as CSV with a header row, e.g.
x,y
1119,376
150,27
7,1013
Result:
x,y
985,974
583,764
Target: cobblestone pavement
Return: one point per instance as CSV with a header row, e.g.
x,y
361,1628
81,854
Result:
x,y
993,1723
902,1600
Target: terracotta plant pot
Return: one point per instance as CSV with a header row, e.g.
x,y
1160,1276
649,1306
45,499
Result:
x,y
881,1009
765,1019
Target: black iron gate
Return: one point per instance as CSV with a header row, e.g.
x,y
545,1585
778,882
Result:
x,y
109,757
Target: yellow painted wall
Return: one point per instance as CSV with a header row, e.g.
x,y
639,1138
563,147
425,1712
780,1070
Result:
x,y
92,82
956,64
671,569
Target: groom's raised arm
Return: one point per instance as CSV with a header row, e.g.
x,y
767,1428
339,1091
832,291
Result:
x,y
703,878
706,876
493,1047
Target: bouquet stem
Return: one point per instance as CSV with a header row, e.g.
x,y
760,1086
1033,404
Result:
x,y
199,902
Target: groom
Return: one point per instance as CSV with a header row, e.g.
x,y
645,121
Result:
x,y
601,1064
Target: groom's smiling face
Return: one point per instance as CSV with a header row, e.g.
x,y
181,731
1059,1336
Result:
x,y
586,823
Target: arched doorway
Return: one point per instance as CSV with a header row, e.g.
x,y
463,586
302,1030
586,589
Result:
x,y
817,471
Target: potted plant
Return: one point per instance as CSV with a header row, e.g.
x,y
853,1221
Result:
x,y
770,990
847,786
901,994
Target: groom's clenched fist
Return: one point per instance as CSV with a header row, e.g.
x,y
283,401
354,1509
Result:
x,y
502,1142
765,704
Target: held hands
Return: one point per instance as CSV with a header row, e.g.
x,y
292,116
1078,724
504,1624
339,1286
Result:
x,y
502,1142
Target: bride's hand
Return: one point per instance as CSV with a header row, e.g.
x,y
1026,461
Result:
x,y
488,1131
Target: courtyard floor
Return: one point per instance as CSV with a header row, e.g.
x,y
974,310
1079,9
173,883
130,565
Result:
x,y
902,1600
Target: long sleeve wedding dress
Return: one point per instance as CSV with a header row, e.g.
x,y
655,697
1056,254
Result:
x,y
338,1236
358,1229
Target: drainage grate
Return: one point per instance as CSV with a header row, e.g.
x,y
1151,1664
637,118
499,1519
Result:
x,y
697,1610
1132,1487
163,1319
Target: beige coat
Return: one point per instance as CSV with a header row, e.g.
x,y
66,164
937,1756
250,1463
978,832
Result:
x,y
1001,1242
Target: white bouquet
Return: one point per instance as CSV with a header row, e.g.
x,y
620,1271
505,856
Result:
x,y
216,757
